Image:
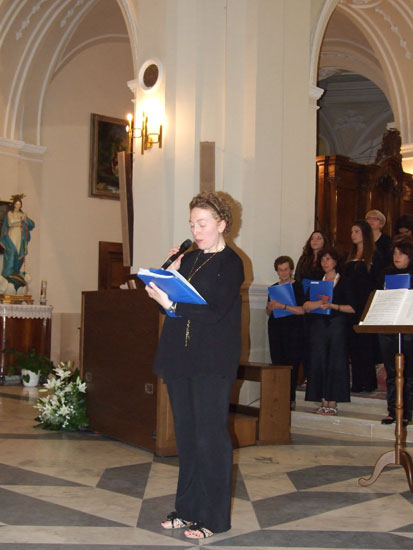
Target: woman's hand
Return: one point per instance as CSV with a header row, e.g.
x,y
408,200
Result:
x,y
312,304
275,304
158,295
176,264
325,305
325,299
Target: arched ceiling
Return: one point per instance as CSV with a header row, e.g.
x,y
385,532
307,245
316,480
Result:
x,y
37,39
374,38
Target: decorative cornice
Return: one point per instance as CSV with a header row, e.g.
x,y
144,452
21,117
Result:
x,y
22,147
11,143
315,92
34,149
133,85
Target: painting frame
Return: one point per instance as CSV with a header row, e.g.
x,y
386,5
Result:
x,y
108,136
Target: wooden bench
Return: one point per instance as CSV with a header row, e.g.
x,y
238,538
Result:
x,y
272,420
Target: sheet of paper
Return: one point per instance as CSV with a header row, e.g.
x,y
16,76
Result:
x,y
390,307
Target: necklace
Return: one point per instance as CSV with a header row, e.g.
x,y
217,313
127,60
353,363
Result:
x,y
191,274
193,270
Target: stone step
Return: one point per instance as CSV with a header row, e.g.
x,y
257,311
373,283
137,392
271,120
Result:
x,y
361,417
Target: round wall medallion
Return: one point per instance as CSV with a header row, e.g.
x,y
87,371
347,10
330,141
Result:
x,y
150,75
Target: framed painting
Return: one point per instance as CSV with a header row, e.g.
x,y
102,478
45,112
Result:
x,y
108,137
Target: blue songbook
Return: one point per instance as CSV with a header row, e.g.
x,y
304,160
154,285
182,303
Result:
x,y
319,289
398,280
284,293
173,283
306,285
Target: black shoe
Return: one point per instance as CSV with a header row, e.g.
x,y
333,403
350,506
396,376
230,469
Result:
x,y
388,420
405,422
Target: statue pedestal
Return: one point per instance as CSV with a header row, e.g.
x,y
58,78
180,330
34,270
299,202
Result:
x,y
16,299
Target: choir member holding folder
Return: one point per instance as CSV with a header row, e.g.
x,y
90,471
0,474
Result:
x,y
198,358
399,276
328,378
309,269
285,321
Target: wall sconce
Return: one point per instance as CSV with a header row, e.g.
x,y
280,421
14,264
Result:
x,y
142,133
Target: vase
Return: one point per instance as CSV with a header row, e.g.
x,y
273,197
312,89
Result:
x,y
33,378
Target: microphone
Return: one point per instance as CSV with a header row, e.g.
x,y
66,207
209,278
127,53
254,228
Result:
x,y
184,246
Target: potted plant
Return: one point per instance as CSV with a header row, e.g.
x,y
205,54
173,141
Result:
x,y
33,366
64,407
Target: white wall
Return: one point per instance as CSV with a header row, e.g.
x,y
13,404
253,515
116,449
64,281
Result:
x,y
71,223
237,73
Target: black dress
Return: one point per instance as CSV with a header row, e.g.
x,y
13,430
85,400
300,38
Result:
x,y
285,337
389,344
198,357
328,376
362,346
313,273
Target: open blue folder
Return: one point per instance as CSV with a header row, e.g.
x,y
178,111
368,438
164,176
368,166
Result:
x,y
173,283
284,293
398,280
318,289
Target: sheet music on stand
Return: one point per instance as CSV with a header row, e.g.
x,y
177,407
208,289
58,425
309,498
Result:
x,y
390,307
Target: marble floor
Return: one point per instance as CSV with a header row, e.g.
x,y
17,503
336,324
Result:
x,y
83,491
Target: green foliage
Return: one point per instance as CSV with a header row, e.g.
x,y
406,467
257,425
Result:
x,y
64,408
30,360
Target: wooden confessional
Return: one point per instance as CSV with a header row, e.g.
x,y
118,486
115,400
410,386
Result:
x,y
345,190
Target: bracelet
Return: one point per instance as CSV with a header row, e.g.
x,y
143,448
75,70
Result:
x,y
172,308
285,306
338,307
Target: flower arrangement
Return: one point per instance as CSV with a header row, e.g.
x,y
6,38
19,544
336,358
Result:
x,y
64,408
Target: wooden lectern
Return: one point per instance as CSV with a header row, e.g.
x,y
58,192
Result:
x,y
399,456
118,343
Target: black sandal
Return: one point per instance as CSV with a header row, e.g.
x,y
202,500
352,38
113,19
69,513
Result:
x,y
388,420
175,522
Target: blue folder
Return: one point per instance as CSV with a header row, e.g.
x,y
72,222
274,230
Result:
x,y
398,280
306,285
284,293
318,289
173,283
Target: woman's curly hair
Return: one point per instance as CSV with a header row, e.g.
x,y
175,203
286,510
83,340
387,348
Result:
x,y
217,204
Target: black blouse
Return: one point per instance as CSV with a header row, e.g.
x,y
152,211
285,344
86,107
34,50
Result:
x,y
205,339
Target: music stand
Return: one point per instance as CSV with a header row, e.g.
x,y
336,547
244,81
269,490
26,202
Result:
x,y
399,456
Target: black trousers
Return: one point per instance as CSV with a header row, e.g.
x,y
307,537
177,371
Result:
x,y
363,361
389,344
285,337
200,407
328,376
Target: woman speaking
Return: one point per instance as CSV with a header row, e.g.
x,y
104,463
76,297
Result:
x,y
198,357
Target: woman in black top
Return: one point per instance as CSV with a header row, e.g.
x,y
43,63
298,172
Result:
x,y
328,378
309,268
308,265
377,220
198,358
389,343
285,334
363,271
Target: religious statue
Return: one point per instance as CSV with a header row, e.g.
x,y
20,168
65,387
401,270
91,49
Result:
x,y
14,238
